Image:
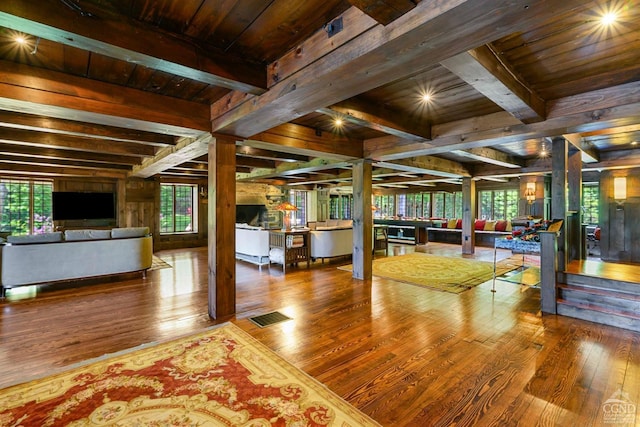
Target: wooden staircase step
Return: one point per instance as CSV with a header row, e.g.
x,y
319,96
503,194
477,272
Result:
x,y
601,291
599,314
584,280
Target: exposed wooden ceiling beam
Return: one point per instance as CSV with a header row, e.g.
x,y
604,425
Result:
x,y
40,161
428,34
121,38
255,162
185,150
490,155
68,127
70,142
482,69
384,11
55,154
300,140
600,109
38,91
428,165
375,117
292,169
246,151
52,171
589,155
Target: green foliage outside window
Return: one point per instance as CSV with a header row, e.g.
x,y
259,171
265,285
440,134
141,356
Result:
x,y
178,206
590,203
25,207
498,204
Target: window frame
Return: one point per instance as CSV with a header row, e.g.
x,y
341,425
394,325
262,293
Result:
x,y
193,205
44,224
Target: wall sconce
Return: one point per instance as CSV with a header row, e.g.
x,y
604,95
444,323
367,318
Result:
x,y
530,192
204,192
620,190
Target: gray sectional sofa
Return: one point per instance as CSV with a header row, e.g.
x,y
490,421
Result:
x,y
73,254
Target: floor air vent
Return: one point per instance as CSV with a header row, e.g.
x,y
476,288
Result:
x,y
269,319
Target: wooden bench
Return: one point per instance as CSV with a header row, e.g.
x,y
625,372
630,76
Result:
x,y
454,235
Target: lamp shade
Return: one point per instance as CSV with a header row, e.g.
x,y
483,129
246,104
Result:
x,y
286,206
620,188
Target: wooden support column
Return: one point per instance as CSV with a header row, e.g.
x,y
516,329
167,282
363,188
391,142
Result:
x,y
573,225
559,162
221,227
362,220
548,271
468,215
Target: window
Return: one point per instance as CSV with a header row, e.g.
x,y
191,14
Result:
x,y
340,206
178,208
438,205
25,206
386,206
498,204
299,199
590,203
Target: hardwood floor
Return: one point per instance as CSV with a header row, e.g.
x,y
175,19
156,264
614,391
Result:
x,y
405,355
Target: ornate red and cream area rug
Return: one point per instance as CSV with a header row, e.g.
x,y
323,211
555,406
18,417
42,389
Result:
x,y
221,377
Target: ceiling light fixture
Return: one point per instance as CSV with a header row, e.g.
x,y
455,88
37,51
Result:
x,y
608,18
338,122
21,40
426,97
543,152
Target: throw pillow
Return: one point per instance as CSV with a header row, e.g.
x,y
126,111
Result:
x,y
459,224
452,223
479,224
501,225
490,226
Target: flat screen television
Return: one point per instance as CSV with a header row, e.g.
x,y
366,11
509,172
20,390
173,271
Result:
x,y
70,205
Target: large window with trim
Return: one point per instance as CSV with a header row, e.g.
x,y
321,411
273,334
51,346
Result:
x,y
340,206
178,208
25,206
498,204
590,203
298,198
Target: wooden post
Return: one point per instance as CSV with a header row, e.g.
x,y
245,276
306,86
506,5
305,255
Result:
x,y
468,215
221,227
548,271
573,221
362,220
559,160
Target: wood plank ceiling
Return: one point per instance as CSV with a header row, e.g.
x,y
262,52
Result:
x,y
136,87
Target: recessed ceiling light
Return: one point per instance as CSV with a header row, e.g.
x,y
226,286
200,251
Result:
x,y
426,97
608,18
634,143
21,39
338,122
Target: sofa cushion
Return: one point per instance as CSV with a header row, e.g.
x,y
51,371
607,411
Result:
x,y
35,238
121,233
490,225
71,235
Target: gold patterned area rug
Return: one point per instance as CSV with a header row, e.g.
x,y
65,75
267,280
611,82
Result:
x,y
221,377
448,274
158,263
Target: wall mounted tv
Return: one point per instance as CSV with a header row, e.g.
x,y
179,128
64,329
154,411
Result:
x,y
69,205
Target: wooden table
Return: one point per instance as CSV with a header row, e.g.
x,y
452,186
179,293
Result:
x,y
291,255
